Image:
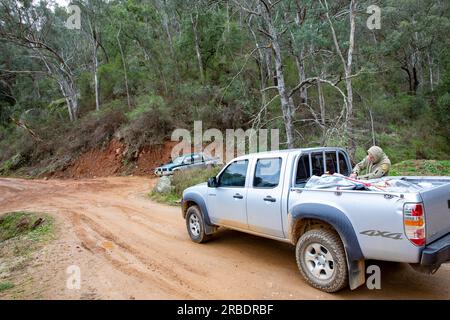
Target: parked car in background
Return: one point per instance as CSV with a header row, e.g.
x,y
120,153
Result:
x,y
186,161
335,226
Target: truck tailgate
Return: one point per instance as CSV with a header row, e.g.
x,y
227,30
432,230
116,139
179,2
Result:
x,y
437,211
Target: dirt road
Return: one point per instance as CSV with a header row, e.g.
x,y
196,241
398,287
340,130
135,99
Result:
x,y
128,247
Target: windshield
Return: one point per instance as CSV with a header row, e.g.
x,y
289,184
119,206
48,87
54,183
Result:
x,y
178,160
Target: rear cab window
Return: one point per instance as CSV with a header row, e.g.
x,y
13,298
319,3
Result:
x,y
343,164
318,163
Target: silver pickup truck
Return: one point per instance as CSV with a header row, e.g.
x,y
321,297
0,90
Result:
x,y
334,230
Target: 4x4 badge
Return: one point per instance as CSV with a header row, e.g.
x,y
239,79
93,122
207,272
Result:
x,y
384,234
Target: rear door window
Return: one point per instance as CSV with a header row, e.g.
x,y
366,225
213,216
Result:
x,y
267,173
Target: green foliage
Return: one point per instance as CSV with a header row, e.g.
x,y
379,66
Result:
x,y
146,103
87,92
421,168
150,127
183,179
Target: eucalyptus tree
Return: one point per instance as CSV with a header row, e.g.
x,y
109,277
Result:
x,y
43,34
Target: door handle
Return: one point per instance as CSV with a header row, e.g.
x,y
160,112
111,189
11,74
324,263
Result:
x,y
269,198
238,196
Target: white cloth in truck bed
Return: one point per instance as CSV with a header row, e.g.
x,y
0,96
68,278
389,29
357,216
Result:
x,y
340,182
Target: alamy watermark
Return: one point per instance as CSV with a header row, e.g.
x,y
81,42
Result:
x,y
74,20
374,20
225,147
73,281
373,282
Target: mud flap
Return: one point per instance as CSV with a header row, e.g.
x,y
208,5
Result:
x,y
209,229
356,273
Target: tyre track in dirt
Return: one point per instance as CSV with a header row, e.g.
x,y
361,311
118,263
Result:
x,y
100,241
164,272
135,219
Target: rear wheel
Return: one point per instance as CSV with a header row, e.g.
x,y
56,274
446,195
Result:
x,y
195,225
321,259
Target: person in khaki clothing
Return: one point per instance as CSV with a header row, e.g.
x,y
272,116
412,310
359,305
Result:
x,y
375,165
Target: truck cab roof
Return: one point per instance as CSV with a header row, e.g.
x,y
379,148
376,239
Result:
x,y
297,150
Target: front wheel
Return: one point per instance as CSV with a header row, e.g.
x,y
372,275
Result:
x,y
321,259
195,225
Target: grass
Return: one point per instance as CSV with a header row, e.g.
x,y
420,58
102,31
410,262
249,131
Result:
x,y
421,168
5,286
170,198
21,234
180,181
25,224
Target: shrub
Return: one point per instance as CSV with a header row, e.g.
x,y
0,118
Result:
x,y
95,130
184,179
62,141
145,103
150,128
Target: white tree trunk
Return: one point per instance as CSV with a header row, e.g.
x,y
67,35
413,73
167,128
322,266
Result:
x,y
299,59
348,80
93,38
430,70
96,83
69,92
347,66
286,103
197,46
321,103
124,68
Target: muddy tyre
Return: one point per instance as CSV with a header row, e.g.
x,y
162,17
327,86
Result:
x,y
195,225
321,260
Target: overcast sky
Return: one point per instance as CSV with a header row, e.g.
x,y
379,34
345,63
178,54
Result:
x,y
62,3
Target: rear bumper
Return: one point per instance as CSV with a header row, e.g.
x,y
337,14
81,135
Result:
x,y
436,252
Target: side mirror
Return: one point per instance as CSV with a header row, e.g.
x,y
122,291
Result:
x,y
212,182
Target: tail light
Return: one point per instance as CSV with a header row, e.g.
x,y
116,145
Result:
x,y
414,222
